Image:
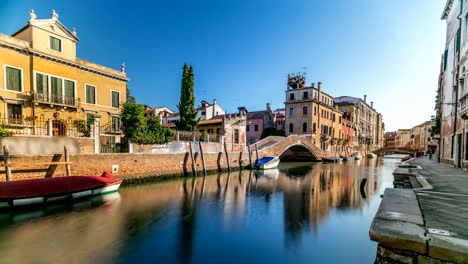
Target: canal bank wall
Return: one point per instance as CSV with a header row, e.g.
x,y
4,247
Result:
x,y
423,219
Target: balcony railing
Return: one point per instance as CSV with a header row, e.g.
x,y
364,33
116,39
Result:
x,y
55,99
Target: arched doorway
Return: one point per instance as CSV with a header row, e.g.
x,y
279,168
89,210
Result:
x,y
59,128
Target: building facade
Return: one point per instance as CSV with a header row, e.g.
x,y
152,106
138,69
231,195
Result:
x,y
369,126
43,79
257,121
311,111
453,98
403,138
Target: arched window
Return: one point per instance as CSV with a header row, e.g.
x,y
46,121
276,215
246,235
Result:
x,y
304,127
290,128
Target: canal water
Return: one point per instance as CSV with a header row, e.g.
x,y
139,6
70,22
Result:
x,y
299,213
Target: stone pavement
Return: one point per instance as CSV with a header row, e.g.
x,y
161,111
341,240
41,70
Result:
x,y
427,224
445,206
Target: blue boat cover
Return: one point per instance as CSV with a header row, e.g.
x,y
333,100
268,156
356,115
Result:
x,y
264,160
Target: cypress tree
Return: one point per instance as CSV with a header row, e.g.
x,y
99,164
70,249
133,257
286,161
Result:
x,y
186,106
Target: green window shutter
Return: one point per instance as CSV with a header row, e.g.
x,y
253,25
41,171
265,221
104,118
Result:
x,y
115,99
69,89
115,123
41,83
13,79
90,94
55,44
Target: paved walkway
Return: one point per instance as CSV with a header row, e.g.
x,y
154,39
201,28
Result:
x,y
427,224
445,206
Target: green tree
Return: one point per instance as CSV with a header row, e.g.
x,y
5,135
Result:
x,y
141,130
130,97
186,106
271,131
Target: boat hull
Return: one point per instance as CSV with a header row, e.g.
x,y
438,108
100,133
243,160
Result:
x,y
45,191
271,163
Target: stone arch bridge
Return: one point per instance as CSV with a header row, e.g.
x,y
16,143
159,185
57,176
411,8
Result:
x,y
293,147
383,151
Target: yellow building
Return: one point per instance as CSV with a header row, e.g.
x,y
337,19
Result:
x,y
310,111
44,80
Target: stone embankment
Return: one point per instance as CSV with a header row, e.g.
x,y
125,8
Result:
x,y
425,218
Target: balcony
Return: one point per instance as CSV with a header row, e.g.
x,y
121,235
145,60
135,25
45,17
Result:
x,y
54,99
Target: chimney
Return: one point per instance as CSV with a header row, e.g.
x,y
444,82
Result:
x,y
214,108
372,105
268,106
320,86
365,98
313,85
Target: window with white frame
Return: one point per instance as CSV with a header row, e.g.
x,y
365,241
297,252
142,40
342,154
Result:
x,y
115,99
13,79
54,89
55,44
90,94
14,113
115,123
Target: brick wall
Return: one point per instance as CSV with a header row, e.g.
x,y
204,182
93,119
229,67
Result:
x,y
130,166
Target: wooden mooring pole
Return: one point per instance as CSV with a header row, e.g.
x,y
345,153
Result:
x,y
256,150
67,160
250,156
6,159
227,156
202,158
194,170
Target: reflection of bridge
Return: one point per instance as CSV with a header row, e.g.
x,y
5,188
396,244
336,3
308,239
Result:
x,y
294,147
394,150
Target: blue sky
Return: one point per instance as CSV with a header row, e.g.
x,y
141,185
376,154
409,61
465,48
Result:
x,y
242,51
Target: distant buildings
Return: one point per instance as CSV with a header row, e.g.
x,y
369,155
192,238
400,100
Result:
x,y
369,126
419,139
389,140
346,121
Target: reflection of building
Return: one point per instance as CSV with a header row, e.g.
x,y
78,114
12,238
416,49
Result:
x,y
311,111
43,79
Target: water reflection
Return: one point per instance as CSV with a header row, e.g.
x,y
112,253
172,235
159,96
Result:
x,y
174,221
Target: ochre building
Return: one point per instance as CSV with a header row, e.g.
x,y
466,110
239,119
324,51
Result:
x,y
44,80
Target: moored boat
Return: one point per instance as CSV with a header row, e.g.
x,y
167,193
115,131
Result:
x,y
265,163
356,156
345,158
47,190
371,155
332,159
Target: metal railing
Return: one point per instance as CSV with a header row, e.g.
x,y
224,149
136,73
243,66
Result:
x,y
38,126
51,98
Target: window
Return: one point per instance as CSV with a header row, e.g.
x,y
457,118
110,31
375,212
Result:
x,y
306,95
236,135
115,99
315,110
218,131
304,127
203,113
314,127
56,86
42,83
339,119
304,110
90,94
291,96
290,128
69,92
247,128
14,111
55,44
13,79
255,127
210,131
115,123
291,111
